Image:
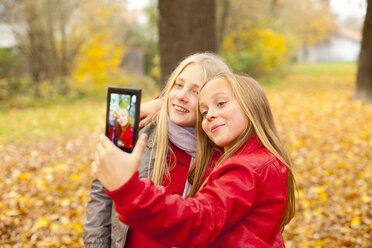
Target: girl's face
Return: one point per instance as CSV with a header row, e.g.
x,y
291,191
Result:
x,y
122,118
223,119
112,114
183,97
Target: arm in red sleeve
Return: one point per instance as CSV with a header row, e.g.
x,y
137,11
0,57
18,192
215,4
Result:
x,y
169,219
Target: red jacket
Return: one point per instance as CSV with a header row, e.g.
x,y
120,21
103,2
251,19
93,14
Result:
x,y
178,176
241,205
125,135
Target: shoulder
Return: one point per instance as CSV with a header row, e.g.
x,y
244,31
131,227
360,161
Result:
x,y
148,156
260,162
150,130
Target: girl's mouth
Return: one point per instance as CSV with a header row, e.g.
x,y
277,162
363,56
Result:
x,y
181,109
214,128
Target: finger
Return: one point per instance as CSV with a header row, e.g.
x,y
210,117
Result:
x,y
144,111
100,149
140,146
94,168
145,121
104,141
96,159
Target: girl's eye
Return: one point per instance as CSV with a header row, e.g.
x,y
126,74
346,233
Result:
x,y
178,85
204,113
220,104
195,92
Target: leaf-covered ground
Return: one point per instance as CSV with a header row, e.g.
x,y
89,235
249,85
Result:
x,y
45,157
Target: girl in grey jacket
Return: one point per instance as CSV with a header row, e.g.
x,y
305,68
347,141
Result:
x,y
173,125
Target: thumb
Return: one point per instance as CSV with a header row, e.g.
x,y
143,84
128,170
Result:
x,y
140,146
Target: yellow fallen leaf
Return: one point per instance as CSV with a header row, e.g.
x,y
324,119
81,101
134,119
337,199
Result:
x,y
75,177
318,212
365,198
47,170
34,153
323,196
43,222
12,213
306,203
55,227
355,221
363,134
319,243
24,176
342,165
78,228
65,202
319,189
301,192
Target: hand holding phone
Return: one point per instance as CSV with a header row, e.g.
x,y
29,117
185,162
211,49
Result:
x,y
122,116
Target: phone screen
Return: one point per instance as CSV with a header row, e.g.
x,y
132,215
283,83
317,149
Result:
x,y
122,116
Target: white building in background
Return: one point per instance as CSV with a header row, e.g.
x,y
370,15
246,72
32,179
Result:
x,y
7,39
343,45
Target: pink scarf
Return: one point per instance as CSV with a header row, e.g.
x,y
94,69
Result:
x,y
185,139
182,137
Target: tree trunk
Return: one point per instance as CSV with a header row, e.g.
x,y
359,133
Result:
x,y
222,23
363,90
185,27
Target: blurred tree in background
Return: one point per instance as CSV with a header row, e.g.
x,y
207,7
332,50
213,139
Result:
x,y
45,38
363,90
185,27
144,36
262,37
102,30
8,67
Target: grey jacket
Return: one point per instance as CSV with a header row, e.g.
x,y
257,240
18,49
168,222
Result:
x,y
102,227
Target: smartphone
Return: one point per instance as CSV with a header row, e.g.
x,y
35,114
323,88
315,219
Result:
x,y
122,116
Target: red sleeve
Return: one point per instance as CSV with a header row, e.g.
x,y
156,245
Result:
x,y
172,220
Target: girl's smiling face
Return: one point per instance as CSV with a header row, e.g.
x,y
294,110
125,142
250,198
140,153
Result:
x,y
112,114
122,118
223,119
183,97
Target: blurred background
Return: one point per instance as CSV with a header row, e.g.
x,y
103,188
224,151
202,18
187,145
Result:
x,y
313,58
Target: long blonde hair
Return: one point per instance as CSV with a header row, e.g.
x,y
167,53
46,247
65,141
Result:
x,y
255,105
212,65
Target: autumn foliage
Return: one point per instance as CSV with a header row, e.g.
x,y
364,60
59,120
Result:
x,y
45,157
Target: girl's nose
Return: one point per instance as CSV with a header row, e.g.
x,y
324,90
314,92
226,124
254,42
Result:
x,y
182,95
211,115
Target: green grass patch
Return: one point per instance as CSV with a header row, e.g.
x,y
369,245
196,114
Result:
x,y
48,121
33,124
314,77
325,68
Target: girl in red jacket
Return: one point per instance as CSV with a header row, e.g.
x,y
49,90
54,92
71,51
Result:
x,y
246,200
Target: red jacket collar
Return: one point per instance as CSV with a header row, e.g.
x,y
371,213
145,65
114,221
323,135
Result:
x,y
252,144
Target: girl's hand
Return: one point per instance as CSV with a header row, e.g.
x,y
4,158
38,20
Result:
x,y
149,110
114,167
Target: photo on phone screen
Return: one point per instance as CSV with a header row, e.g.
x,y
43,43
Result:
x,y
122,116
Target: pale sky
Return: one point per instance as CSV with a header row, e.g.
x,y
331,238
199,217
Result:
x,y
343,8
355,8
136,4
